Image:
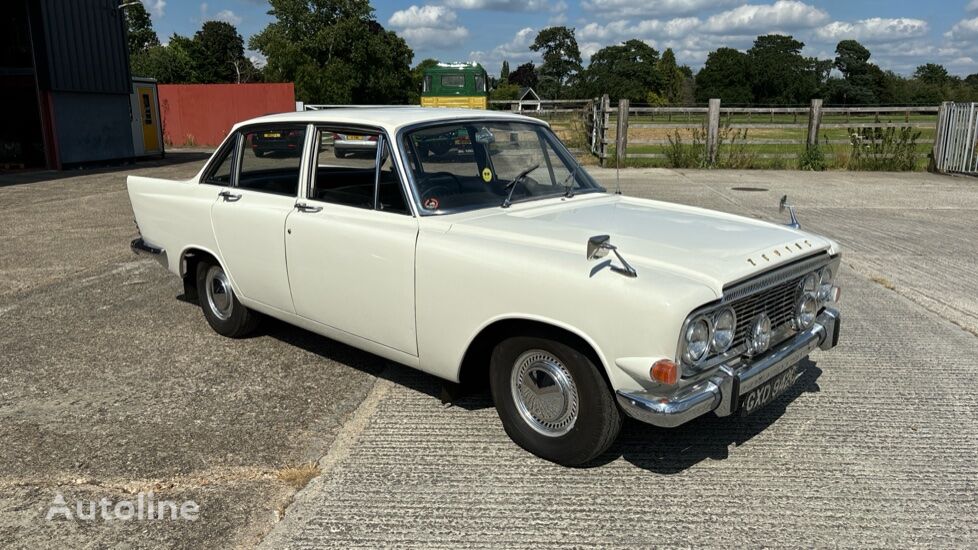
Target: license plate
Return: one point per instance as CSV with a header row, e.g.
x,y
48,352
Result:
x,y
355,138
766,392
273,135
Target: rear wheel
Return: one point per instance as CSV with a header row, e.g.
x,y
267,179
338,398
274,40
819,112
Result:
x,y
224,313
552,400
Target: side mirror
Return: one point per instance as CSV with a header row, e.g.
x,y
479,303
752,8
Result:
x,y
599,246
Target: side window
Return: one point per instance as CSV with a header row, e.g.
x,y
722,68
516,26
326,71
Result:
x,y
453,81
271,160
346,172
220,172
426,83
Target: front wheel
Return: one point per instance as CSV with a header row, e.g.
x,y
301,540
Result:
x,y
552,400
224,313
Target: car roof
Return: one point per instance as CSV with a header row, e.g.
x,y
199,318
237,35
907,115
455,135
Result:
x,y
391,118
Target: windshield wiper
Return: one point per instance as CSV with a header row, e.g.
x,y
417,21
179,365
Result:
x,y
511,186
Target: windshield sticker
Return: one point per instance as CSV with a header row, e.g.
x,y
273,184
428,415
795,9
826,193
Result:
x,y
431,203
486,174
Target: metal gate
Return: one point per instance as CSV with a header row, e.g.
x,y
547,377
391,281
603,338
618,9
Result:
x,y
957,138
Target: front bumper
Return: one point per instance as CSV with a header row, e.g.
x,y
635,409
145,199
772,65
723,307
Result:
x,y
720,393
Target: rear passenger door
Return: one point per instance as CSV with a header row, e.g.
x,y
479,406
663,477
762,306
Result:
x,y
350,242
249,216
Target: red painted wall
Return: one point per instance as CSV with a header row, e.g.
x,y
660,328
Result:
x,y
204,113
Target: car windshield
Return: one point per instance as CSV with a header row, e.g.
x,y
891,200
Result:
x,y
472,164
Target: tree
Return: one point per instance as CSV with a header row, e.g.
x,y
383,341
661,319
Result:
x,y
624,71
504,72
932,74
140,35
417,79
170,64
561,57
779,74
861,82
505,92
218,53
725,76
672,77
525,76
335,52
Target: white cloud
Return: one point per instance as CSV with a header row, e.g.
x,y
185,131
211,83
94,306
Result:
x,y
783,15
428,26
657,8
227,16
874,30
972,6
499,5
158,7
618,31
965,30
516,51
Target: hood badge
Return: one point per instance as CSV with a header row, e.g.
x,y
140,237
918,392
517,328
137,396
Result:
x,y
598,247
782,206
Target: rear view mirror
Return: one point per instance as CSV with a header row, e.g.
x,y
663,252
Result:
x,y
484,136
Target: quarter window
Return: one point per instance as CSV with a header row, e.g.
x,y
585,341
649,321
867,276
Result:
x,y
220,173
271,159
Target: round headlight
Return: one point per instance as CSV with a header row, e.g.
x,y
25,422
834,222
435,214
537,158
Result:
x,y
759,337
825,285
809,283
724,325
805,311
697,340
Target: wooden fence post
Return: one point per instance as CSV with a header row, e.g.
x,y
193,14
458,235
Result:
x,y
621,141
814,121
605,121
712,131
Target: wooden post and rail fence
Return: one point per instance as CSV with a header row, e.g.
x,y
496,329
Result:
x,y
627,131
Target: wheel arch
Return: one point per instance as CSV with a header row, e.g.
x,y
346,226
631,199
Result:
x,y
190,256
474,366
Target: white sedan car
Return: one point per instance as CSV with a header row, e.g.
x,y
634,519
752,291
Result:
x,y
496,260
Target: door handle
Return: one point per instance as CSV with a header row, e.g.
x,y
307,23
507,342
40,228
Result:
x,y
303,207
228,196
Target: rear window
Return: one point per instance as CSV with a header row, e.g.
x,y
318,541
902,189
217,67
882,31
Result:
x,y
453,81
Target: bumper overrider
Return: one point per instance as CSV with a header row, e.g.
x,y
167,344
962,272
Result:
x,y
143,248
721,392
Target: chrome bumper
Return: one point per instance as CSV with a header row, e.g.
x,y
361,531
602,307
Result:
x,y
720,393
140,247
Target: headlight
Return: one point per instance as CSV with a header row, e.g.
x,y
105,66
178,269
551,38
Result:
x,y
724,325
825,285
697,340
806,309
809,283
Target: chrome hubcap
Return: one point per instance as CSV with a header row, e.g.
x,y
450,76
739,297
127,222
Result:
x,y
220,297
544,392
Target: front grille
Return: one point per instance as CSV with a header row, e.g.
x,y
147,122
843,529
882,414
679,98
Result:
x,y
777,302
773,293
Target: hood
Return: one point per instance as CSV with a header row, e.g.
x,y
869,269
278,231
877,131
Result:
x,y
712,247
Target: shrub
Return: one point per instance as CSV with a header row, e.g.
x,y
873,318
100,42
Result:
x,y
888,149
812,159
680,154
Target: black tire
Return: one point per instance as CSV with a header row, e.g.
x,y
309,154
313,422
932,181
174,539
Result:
x,y
597,421
259,153
339,154
224,313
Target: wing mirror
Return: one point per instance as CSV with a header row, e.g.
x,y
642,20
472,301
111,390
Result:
x,y
599,246
782,206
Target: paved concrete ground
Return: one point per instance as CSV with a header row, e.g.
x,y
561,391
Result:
x,y
875,446
110,384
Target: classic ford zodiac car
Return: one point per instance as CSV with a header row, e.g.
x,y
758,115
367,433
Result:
x,y
501,261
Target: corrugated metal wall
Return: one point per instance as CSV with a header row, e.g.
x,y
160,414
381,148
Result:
x,y
85,47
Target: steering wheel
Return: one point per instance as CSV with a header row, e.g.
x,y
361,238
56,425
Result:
x,y
441,175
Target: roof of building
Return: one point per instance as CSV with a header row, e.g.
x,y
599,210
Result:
x,y
527,90
387,117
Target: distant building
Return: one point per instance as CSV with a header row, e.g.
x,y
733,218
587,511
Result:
x,y
528,99
66,95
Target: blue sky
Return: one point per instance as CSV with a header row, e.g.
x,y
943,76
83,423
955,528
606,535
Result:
x,y
901,34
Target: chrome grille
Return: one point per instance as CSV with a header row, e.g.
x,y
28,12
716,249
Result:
x,y
777,302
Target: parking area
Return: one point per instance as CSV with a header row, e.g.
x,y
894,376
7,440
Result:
x,y
112,384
